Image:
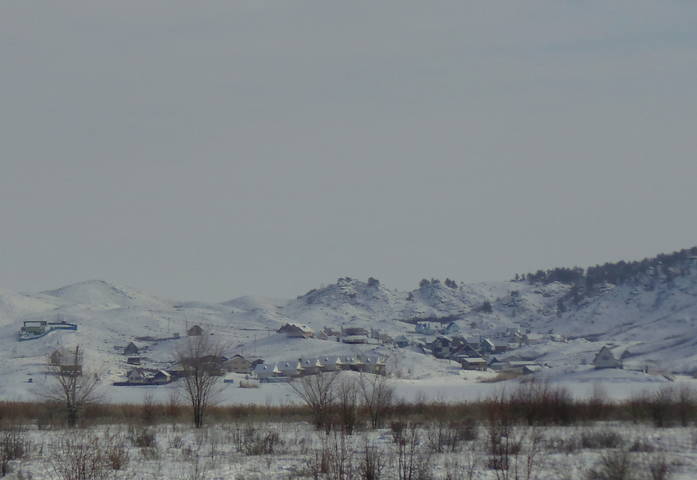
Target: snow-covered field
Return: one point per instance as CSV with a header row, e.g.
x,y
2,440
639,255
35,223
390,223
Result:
x,y
446,450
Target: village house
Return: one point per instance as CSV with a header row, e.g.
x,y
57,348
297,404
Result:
x,y
161,377
472,363
374,364
354,335
441,347
238,364
195,331
451,329
136,376
296,330
131,349
486,346
522,367
263,371
605,359
311,366
401,341
290,369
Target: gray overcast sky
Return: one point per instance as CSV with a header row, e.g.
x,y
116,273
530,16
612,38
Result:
x,y
206,150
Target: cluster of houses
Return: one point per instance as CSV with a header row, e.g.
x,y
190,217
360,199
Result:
x,y
482,353
286,371
350,335
473,353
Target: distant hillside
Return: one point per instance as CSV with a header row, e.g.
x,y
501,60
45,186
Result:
x,y
648,309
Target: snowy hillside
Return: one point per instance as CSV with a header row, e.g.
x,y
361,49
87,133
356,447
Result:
x,y
649,317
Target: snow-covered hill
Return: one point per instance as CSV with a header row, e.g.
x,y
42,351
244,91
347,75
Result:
x,y
649,317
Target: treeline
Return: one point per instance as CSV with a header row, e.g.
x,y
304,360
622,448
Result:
x,y
666,266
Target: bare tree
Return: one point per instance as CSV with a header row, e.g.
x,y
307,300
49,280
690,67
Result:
x,y
72,387
377,395
347,403
201,362
317,392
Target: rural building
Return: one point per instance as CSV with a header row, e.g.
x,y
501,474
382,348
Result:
x,y
401,341
451,329
354,335
195,331
133,361
131,349
161,377
472,363
605,359
296,330
290,369
238,364
441,347
137,375
374,364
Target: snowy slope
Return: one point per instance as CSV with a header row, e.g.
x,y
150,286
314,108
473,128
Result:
x,y
650,320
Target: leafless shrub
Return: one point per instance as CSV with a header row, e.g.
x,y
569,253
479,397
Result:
x,y
613,465
335,460
658,467
446,437
642,445
72,387
685,405
397,429
116,451
317,392
347,404
377,393
200,361
413,463
540,402
372,462
197,469
601,439
465,467
567,445
255,442
13,446
176,442
661,406
148,411
144,438
81,458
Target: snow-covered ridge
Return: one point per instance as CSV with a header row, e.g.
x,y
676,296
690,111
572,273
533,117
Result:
x,y
651,320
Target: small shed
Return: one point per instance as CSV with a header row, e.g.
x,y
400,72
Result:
x,y
401,341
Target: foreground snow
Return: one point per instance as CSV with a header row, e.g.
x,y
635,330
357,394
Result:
x,y
295,450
